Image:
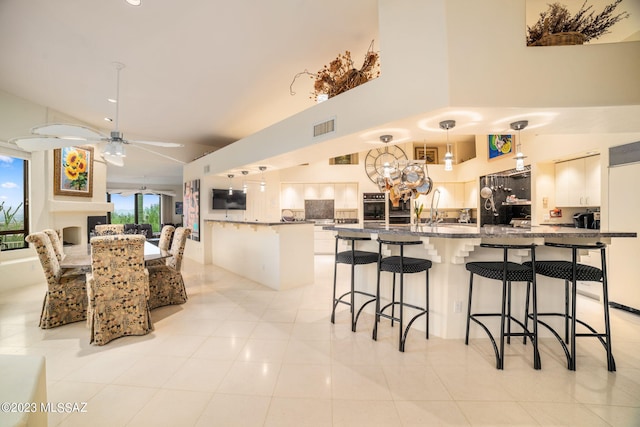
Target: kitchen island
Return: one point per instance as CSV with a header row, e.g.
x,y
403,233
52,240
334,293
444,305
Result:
x,y
451,246
276,254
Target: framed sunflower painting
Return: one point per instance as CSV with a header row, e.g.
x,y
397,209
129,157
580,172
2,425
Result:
x,y
73,171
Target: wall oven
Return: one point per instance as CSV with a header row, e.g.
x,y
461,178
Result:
x,y
373,207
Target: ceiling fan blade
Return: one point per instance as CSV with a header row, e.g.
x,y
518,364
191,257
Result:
x,y
139,147
67,131
113,160
43,143
157,143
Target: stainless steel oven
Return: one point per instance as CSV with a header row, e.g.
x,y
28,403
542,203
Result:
x,y
373,207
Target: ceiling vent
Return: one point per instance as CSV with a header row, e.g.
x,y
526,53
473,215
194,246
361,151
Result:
x,y
207,168
624,154
324,128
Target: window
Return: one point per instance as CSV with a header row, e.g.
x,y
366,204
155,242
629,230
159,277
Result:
x,y
136,209
14,202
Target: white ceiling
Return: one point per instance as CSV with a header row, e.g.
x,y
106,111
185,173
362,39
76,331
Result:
x,y
206,73
203,73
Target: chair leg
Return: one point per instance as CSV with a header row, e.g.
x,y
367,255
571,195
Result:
x,y
335,303
376,319
500,364
572,362
426,307
353,297
611,364
566,312
508,313
401,341
537,364
526,313
393,299
466,338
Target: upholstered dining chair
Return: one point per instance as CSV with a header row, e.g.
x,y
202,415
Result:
x,y
118,288
66,297
166,285
109,229
57,244
166,235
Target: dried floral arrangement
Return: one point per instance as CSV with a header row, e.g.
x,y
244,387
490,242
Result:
x,y
557,19
341,75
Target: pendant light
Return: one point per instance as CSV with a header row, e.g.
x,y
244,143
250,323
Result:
x,y
263,184
448,157
230,184
519,125
244,182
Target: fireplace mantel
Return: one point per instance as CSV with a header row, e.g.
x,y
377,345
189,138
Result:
x,y
84,207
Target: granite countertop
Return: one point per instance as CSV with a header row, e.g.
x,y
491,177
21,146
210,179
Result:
x,y
464,231
266,223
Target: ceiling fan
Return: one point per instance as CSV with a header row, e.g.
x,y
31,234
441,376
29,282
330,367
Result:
x,y
53,136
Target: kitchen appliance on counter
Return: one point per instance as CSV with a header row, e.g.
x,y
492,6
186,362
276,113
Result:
x,y
586,220
401,212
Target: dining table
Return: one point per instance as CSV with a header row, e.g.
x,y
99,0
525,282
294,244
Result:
x,y
79,256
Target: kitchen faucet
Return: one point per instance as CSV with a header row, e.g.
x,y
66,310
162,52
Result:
x,y
434,216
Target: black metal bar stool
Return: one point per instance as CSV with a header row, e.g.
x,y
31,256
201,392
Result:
x,y
506,271
571,272
352,257
400,265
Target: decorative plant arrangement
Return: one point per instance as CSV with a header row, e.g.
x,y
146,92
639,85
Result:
x,y
417,209
556,25
341,75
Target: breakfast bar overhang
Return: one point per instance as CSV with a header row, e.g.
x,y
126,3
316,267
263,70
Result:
x,y
450,247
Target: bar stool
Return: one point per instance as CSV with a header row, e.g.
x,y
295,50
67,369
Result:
x,y
352,257
571,272
400,265
506,272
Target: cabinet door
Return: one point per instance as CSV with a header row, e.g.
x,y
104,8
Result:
x,y
592,180
351,196
575,182
470,195
339,190
458,195
311,192
326,191
446,196
291,196
562,184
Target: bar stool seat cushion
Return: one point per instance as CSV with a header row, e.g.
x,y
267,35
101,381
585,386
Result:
x,y
564,270
394,264
357,257
494,270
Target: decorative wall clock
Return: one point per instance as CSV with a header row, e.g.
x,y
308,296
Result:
x,y
376,159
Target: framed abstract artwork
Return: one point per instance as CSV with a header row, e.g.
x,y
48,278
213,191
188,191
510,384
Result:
x,y
73,171
500,146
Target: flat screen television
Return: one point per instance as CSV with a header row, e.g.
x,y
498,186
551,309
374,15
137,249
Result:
x,y
222,200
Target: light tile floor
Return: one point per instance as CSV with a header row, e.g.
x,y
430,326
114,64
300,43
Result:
x,y
239,354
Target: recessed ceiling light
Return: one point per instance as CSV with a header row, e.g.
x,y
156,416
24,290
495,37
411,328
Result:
x,y
134,2
113,101
108,119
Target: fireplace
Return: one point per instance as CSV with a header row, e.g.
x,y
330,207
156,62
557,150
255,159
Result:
x,y
72,235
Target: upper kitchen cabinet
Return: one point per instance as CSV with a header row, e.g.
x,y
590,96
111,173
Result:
x,y
471,194
346,195
324,191
452,195
578,182
292,196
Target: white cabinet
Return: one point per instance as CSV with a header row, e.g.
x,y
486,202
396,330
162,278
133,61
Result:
x,y
451,195
292,196
471,195
346,196
318,191
324,241
578,182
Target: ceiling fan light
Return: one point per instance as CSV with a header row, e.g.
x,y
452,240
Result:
x,y
109,149
120,150
134,2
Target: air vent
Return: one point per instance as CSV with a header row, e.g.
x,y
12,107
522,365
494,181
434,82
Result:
x,y
207,168
324,128
624,154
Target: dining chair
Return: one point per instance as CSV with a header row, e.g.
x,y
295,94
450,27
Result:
x,y
166,285
118,288
56,242
66,297
109,229
166,234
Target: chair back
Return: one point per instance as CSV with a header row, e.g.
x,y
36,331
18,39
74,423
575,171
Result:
x,y
177,247
118,259
145,230
47,256
56,242
109,229
165,237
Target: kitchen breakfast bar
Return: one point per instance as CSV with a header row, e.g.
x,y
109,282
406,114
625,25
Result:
x,y
450,247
